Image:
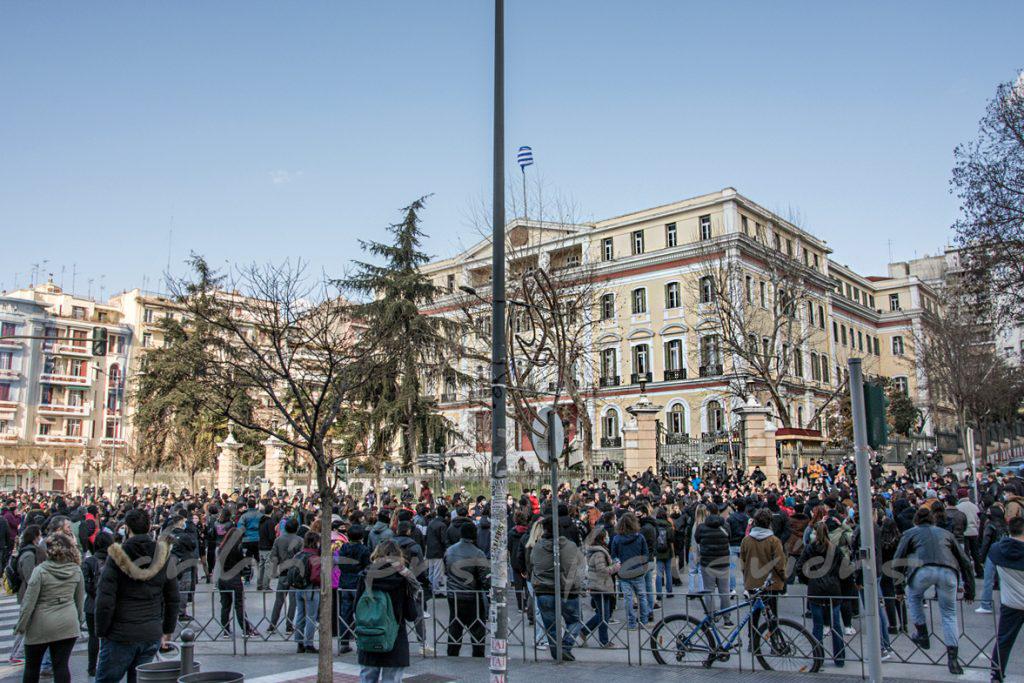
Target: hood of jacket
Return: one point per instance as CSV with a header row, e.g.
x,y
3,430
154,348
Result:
x,y
154,554
715,521
61,571
760,533
1008,553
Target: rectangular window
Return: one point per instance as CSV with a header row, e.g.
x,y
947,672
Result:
x,y
607,306
897,345
764,295
705,227
750,289
798,363
707,290
147,340
608,363
894,302
901,385
5,391
835,331
815,368
821,317
778,242
709,351
824,370
607,249
815,261
810,313
674,354
743,223
450,283
789,247
72,427
877,353
8,329
860,341
639,301
842,331
670,235
641,359
638,241
44,429
6,360
672,295
78,312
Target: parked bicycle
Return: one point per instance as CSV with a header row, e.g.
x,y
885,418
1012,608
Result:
x,y
777,644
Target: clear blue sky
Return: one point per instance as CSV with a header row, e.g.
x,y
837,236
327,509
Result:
x,y
270,129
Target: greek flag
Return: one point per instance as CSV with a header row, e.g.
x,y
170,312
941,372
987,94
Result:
x,y
525,157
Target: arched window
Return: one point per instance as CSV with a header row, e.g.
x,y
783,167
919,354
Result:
x,y
715,417
609,425
707,289
677,420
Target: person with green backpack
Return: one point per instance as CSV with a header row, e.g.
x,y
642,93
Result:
x,y
385,600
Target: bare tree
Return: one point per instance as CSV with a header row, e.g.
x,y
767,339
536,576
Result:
x,y
287,339
760,309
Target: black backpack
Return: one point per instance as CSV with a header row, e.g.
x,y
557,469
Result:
x,y
12,577
299,572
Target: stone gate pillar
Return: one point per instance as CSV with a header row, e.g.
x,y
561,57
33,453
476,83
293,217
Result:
x,y
227,462
759,440
273,463
640,442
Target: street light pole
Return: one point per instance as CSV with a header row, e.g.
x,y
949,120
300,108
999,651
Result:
x,y
498,616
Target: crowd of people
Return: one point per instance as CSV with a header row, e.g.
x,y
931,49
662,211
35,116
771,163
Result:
x,y
128,563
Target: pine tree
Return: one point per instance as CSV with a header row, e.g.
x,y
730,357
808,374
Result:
x,y
422,349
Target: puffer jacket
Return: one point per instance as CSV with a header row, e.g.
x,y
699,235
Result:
x,y
599,569
712,537
53,604
927,545
136,600
821,568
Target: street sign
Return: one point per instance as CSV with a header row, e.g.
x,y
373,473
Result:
x,y
539,435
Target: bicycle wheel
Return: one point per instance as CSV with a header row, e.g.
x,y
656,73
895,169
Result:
x,y
790,647
681,639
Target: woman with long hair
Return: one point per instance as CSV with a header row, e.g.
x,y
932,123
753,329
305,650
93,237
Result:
x,y
819,568
52,609
700,515
388,573
629,550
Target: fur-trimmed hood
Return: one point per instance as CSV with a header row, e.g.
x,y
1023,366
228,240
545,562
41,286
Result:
x,y
140,559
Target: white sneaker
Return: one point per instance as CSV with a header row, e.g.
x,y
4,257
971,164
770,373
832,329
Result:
x,y
850,631
427,651
983,610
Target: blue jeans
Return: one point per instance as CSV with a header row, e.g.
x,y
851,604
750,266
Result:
x,y
602,604
734,557
822,612
635,588
119,659
649,585
988,585
696,580
307,615
570,621
944,580
882,618
383,674
664,585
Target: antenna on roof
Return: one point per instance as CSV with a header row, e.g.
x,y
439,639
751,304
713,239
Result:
x,y
103,287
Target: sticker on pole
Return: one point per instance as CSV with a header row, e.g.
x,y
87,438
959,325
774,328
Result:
x,y
539,434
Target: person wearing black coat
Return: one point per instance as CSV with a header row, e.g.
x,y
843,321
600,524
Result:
x,y
184,548
517,558
435,543
453,534
353,559
389,574
712,538
92,569
267,535
819,567
233,561
136,601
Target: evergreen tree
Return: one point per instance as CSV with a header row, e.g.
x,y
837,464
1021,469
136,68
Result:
x,y
422,350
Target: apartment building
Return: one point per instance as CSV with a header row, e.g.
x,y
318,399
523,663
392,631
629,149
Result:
x,y
655,317
62,408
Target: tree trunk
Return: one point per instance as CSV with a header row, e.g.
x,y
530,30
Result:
x,y
325,660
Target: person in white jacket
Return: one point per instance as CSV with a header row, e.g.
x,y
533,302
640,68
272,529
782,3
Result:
x,y
972,540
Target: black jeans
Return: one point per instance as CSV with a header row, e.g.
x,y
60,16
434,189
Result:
x,y
60,653
1010,621
250,549
232,592
972,544
280,596
466,612
94,641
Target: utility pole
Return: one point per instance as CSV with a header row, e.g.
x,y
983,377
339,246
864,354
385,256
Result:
x,y
498,616
865,510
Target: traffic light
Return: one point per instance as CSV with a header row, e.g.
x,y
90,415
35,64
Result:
x,y
875,405
99,341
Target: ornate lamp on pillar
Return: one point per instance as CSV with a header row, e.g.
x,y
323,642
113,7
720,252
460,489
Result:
x,y
641,437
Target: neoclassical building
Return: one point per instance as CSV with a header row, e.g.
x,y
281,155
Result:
x,y
653,319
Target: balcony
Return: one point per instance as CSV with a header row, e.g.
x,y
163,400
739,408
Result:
x,y
675,375
448,397
70,349
610,381
8,437
481,393
60,440
8,407
62,409
638,377
710,370
9,343
611,442
9,374
60,378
